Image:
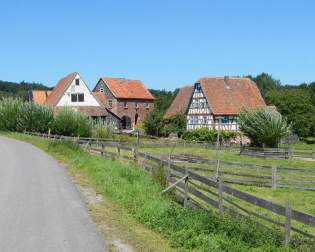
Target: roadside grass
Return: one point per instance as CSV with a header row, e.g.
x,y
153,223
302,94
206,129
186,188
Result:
x,y
130,188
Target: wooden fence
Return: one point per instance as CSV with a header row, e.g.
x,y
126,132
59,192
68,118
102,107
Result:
x,y
251,174
279,153
202,191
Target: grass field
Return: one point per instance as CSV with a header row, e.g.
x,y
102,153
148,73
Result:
x,y
131,189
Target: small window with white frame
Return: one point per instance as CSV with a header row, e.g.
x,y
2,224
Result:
x,y
77,82
125,105
102,90
137,104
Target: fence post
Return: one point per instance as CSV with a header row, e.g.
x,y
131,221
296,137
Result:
x,y
135,155
220,184
118,151
168,169
186,189
313,153
103,149
217,170
145,162
274,176
291,153
90,146
288,215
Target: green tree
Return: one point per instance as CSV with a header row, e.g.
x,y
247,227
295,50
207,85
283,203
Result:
x,y
153,123
296,105
265,82
175,124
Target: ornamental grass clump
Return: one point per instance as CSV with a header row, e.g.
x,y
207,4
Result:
x,y
9,109
103,130
35,118
263,126
71,123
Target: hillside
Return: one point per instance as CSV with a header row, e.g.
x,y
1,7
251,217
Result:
x,y
8,88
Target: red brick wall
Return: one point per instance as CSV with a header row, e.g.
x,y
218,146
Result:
x,y
131,109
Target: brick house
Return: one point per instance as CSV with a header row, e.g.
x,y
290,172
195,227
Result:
x,y
128,99
214,101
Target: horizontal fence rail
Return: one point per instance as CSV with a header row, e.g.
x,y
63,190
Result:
x,y
197,189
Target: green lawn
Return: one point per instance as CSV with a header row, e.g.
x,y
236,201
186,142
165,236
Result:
x,y
186,229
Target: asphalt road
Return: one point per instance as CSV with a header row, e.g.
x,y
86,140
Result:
x,y
40,208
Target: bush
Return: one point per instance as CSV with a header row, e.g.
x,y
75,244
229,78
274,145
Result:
x,y
207,135
175,124
71,123
153,123
9,109
35,118
102,130
263,126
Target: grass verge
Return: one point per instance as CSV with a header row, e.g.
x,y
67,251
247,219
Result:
x,y
129,188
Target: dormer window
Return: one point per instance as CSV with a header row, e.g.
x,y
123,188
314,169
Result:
x,y
77,82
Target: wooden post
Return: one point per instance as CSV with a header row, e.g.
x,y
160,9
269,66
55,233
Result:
x,y
288,215
138,137
186,189
168,169
118,151
217,170
290,156
313,153
103,149
220,193
90,146
274,176
135,155
145,162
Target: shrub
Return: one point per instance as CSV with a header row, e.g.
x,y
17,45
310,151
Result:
x,y
153,123
9,109
102,129
35,118
175,124
263,126
207,135
71,123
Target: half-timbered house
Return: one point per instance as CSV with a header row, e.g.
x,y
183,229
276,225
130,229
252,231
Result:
x,y
216,102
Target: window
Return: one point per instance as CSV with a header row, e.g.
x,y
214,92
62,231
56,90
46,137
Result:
x,y
81,97
125,105
77,97
110,103
77,82
137,104
102,90
74,98
205,120
147,105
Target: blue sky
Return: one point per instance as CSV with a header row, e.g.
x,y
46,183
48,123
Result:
x,y
166,44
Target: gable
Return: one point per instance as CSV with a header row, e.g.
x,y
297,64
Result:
x,y
102,85
73,88
198,103
181,102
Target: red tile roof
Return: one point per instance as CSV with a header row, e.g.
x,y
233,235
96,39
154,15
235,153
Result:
x,y
40,96
225,96
127,89
180,103
59,89
101,98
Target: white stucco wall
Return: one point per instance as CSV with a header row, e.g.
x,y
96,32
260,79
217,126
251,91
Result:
x,y
89,99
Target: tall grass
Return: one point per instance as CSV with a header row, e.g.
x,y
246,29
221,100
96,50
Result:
x,y
103,130
35,118
263,126
9,110
71,123
192,229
